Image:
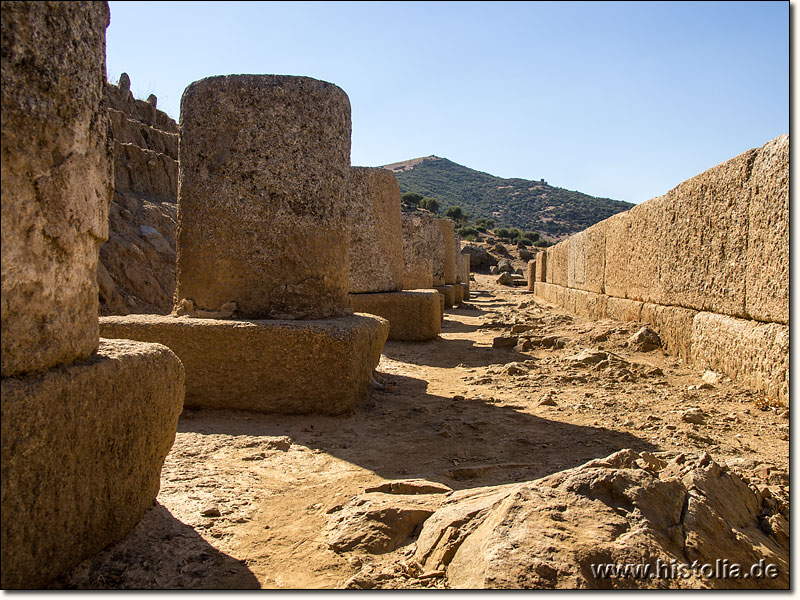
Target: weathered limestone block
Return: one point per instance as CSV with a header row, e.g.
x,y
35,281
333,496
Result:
x,y
551,293
587,304
448,293
457,259
532,274
674,326
439,254
767,270
376,234
413,315
144,171
647,229
557,263
418,250
56,180
465,270
756,354
541,267
586,257
622,309
294,367
447,228
702,239
458,293
82,451
129,131
265,161
619,253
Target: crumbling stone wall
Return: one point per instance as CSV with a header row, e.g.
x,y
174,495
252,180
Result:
x,y
707,264
136,273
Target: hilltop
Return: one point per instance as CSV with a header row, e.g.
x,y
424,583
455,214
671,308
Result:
x,y
532,205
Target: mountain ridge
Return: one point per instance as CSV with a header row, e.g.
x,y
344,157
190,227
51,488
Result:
x,y
532,205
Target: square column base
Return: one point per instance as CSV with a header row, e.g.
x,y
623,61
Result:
x,y
449,293
82,451
321,366
413,315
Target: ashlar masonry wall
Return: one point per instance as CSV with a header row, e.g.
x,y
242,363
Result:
x,y
707,264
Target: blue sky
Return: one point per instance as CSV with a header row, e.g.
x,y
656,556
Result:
x,y
616,99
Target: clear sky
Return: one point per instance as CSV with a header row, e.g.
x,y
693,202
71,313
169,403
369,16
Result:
x,y
616,99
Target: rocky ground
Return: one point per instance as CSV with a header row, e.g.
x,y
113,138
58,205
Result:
x,y
469,469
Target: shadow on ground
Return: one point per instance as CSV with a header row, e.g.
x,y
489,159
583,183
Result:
x,y
159,548
405,432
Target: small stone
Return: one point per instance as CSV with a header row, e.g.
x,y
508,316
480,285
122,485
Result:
x,y
644,340
693,415
711,377
210,511
505,279
505,341
547,400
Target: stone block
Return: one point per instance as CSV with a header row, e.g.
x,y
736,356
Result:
x,y
265,161
552,294
586,259
541,267
447,227
531,274
623,309
458,293
645,258
145,171
619,252
558,260
82,451
56,174
701,238
587,304
293,367
674,326
448,293
755,354
419,244
376,231
413,315
767,270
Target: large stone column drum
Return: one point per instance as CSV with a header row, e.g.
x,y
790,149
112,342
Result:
x,y
376,259
264,161
86,423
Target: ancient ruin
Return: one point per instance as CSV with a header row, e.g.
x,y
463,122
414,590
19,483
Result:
x,y
707,264
444,273
376,259
136,271
86,422
262,265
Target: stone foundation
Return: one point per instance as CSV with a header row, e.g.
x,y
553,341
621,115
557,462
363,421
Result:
x,y
448,293
458,293
755,354
318,366
413,315
82,451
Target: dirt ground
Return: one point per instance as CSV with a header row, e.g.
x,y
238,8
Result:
x,y
246,499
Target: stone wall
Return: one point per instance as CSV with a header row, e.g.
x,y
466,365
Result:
x,y
711,255
136,273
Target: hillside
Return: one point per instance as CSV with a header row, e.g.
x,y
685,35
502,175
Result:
x,y
531,205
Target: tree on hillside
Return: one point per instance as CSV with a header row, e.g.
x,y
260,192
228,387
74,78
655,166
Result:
x,y
411,198
430,204
455,213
